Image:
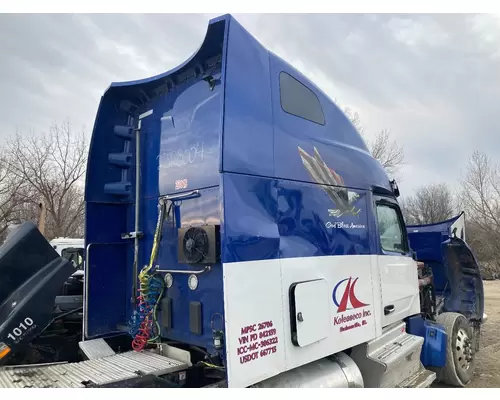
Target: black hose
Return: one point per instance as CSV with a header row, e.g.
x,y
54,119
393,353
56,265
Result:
x,y
65,315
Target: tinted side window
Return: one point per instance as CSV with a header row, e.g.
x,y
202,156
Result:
x,y
297,99
391,229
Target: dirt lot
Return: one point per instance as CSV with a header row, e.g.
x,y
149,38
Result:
x,y
488,359
488,365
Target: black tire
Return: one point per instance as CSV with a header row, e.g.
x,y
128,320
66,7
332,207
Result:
x,y
458,371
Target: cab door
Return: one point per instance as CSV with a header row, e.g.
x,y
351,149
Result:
x,y
398,270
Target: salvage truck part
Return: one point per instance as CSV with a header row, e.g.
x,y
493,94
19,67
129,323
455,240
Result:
x,y
269,248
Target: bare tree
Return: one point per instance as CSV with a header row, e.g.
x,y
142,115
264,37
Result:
x,y
383,148
53,166
429,204
355,120
12,196
481,190
480,196
485,249
387,151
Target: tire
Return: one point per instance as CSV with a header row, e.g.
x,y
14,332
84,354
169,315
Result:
x,y
458,371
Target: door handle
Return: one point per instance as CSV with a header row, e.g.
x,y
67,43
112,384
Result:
x,y
389,309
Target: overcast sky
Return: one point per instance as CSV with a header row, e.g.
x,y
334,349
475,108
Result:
x,y
433,80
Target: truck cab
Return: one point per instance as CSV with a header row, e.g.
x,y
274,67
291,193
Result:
x,y
237,225
72,249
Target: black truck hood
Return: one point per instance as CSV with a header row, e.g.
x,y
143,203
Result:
x,y
31,276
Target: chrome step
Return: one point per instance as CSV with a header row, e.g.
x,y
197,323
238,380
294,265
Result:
x,y
392,360
423,379
114,368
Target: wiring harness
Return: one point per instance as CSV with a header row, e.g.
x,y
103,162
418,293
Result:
x,y
144,324
146,327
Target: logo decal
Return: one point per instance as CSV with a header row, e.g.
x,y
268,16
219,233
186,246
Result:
x,y
355,316
348,296
332,183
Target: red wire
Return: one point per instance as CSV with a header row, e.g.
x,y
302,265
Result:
x,y
141,338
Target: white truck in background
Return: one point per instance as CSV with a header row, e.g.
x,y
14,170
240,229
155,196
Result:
x,y
72,249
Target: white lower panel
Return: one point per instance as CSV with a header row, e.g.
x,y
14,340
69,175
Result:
x,y
312,311
398,275
258,314
351,302
254,321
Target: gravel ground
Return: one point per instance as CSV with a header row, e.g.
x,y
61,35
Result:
x,y
488,362
487,373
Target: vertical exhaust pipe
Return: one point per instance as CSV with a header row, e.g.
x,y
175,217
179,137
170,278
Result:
x,y
137,233
42,217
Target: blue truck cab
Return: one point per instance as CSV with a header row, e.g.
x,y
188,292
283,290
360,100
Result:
x,y
236,216
275,237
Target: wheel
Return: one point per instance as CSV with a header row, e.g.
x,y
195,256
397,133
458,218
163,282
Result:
x,y
460,354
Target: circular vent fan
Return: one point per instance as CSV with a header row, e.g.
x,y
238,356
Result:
x,y
195,245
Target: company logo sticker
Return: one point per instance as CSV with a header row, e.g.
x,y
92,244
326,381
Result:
x,y
348,296
332,183
351,312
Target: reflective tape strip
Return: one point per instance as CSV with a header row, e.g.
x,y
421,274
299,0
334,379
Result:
x,y
4,350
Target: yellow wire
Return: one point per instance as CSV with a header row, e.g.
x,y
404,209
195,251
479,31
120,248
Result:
x,y
212,365
144,275
155,319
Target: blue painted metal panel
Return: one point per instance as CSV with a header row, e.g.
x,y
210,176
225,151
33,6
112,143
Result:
x,y
184,135
309,227
179,140
442,227
193,212
337,141
435,340
104,142
106,268
266,219
248,118
250,229
455,269
465,291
